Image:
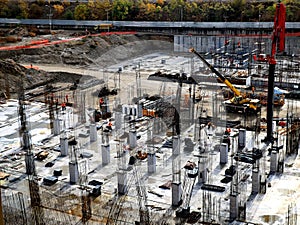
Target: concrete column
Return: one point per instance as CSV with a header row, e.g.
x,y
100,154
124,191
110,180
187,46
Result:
x,y
64,146
202,175
105,138
29,161
74,172
255,181
233,207
93,132
176,145
274,162
105,154
132,138
156,126
25,143
56,126
118,121
151,162
122,182
223,153
149,134
242,138
176,193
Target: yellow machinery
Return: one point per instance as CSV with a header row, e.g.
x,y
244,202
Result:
x,y
239,101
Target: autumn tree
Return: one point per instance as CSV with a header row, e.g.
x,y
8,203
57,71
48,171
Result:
x,y
58,10
81,12
121,9
24,9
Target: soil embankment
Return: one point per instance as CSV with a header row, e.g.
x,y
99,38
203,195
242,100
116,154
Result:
x,y
88,51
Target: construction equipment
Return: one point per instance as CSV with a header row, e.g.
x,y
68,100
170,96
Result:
x,y
240,102
278,42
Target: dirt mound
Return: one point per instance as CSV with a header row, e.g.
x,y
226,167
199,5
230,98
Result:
x,y
90,51
13,74
99,50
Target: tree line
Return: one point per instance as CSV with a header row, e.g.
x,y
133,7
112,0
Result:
x,y
147,10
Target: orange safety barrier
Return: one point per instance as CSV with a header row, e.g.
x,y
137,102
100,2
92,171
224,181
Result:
x,y
39,42
43,43
32,67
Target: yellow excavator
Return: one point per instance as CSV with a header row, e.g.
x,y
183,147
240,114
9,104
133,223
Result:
x,y
239,103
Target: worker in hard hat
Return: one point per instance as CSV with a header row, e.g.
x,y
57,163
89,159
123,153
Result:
x,y
101,102
109,125
63,106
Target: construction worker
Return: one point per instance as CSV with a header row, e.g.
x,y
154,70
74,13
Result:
x,y
67,98
109,125
227,131
101,102
63,106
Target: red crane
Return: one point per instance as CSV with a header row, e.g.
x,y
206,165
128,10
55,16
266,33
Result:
x,y
278,42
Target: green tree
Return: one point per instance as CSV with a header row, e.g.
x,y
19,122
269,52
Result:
x,y
68,15
176,10
121,9
238,7
292,10
81,12
35,11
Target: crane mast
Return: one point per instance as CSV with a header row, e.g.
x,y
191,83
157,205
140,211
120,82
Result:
x,y
277,46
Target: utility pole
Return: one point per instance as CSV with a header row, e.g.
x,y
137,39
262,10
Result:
x,y
50,15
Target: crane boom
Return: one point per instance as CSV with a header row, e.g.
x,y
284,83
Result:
x,y
220,76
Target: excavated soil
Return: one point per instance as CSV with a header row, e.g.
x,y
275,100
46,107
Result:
x,y
88,52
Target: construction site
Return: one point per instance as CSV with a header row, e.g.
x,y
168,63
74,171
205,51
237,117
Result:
x,y
140,128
